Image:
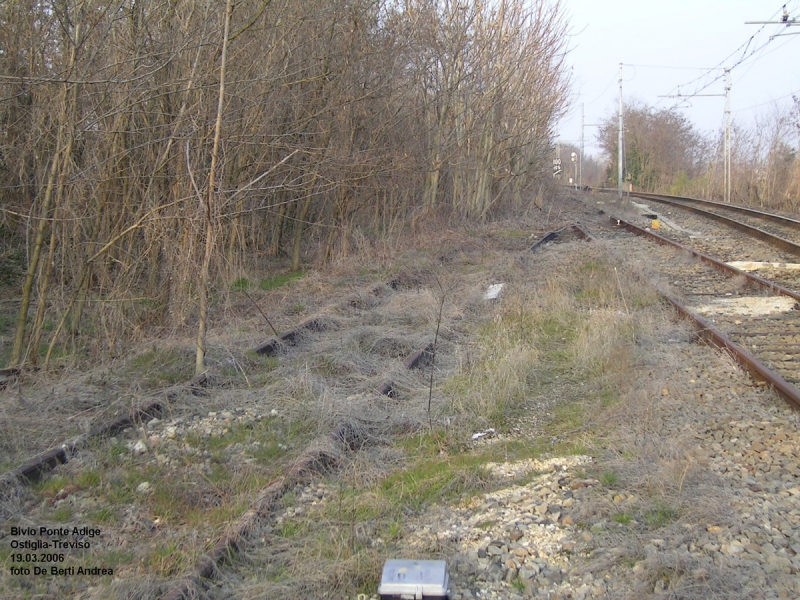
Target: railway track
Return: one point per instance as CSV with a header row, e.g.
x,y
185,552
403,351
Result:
x,y
307,402
200,468
752,240
749,220
758,315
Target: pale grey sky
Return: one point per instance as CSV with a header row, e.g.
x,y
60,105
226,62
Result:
x,y
681,35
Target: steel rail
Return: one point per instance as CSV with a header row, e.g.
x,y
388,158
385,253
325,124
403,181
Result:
x,y
765,283
756,368
709,333
769,238
736,207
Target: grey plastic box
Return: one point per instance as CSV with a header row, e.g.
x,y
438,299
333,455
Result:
x,y
414,580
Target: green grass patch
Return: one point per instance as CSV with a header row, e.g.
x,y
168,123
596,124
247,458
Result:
x,y
103,515
436,480
279,280
296,309
62,514
87,479
50,486
159,367
593,265
440,469
240,284
291,528
261,362
660,515
167,559
609,478
622,517
264,437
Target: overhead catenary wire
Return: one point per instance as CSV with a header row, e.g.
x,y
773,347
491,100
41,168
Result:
x,y
773,101
746,54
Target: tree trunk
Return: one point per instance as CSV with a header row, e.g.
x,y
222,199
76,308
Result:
x,y
200,364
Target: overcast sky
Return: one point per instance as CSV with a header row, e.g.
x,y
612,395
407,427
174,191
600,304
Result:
x,y
681,35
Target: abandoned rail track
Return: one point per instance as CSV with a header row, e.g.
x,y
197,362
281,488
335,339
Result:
x,y
330,386
355,366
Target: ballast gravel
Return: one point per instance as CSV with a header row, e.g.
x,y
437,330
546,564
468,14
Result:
x,y
564,535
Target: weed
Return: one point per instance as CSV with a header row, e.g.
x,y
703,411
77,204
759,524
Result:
x,y
158,367
296,309
628,561
166,560
88,479
593,265
395,531
117,450
242,283
609,478
50,486
519,584
623,517
660,515
435,480
62,514
102,515
280,280
290,528
261,361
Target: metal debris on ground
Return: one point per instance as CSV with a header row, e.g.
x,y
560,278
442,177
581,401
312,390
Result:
x,y
493,291
482,434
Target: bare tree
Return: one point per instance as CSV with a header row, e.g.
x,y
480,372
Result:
x,y
146,162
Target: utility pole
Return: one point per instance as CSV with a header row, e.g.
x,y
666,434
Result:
x,y
728,133
584,125
620,153
580,159
728,126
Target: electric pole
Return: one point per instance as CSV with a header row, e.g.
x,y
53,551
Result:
x,y
580,159
584,125
727,135
620,153
728,126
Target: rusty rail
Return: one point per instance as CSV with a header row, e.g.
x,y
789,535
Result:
x,y
765,236
737,207
765,283
708,332
756,368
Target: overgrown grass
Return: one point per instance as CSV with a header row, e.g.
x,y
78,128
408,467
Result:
x,y
580,324
280,280
660,515
239,284
159,367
